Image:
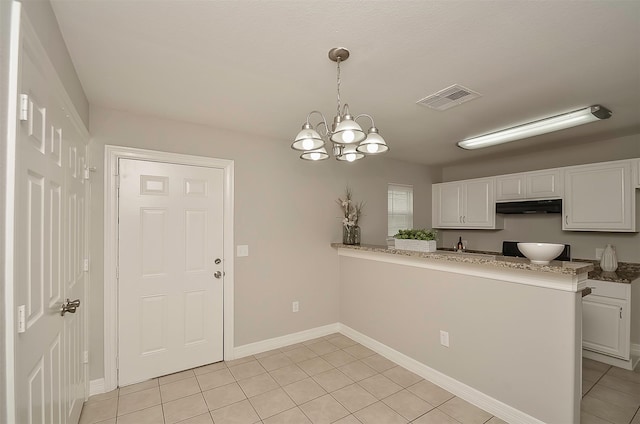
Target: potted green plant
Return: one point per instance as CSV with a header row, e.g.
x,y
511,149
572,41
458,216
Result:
x,y
421,240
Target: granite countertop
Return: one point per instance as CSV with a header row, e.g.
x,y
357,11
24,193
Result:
x,y
626,273
483,258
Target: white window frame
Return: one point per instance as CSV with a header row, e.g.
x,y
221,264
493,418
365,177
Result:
x,y
408,221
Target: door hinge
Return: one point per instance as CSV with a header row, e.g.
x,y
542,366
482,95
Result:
x,y
24,107
621,312
86,265
21,319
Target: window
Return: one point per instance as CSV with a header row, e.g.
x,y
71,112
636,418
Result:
x,y
400,208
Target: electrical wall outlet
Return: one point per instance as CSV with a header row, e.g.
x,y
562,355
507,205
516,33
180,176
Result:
x,y
599,251
444,338
295,306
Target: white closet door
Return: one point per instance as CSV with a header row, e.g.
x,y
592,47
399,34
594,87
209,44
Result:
x,y
50,232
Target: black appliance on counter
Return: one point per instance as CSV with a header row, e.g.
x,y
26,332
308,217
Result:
x,y
510,248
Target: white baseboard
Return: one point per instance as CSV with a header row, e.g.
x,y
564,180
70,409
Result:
x,y
282,341
96,387
629,364
471,395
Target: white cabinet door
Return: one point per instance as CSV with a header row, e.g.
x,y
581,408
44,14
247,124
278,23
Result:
x,y
637,170
604,325
544,184
447,205
599,198
479,204
464,204
510,187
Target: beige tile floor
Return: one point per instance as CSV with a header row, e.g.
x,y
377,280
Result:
x,y
611,395
331,379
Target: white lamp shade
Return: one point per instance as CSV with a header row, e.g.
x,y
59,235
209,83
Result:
x,y
347,132
307,139
349,154
315,155
373,144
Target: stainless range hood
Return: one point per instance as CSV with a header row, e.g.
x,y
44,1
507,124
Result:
x,y
530,206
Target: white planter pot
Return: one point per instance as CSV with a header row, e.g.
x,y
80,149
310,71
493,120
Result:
x,y
416,245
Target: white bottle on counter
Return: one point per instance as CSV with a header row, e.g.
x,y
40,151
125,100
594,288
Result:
x,y
609,262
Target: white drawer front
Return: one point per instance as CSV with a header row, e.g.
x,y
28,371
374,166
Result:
x,y
609,289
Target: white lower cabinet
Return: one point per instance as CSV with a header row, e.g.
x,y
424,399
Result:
x,y
606,318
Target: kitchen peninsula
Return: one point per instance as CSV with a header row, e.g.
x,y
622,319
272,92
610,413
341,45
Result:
x,y
499,332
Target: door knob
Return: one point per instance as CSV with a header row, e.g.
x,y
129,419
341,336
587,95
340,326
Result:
x,y
217,261
218,274
69,306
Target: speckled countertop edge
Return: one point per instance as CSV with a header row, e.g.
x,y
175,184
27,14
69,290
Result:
x,y
558,267
626,273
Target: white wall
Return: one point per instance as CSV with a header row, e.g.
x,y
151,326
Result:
x,y
285,211
513,342
45,23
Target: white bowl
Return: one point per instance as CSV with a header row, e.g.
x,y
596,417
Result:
x,y
541,253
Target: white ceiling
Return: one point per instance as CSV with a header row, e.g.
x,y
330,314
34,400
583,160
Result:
x,y
260,66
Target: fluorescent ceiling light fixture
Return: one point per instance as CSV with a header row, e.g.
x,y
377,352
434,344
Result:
x,y
542,126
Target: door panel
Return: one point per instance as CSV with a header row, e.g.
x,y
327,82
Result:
x,y
49,247
169,303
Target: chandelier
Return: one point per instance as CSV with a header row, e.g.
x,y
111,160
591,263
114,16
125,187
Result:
x,y
348,141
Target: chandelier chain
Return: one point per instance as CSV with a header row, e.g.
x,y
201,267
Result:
x,y
338,62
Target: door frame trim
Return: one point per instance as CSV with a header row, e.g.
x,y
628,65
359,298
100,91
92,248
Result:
x,y
111,157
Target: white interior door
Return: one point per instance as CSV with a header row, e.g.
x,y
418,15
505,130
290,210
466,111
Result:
x,y
170,304
49,248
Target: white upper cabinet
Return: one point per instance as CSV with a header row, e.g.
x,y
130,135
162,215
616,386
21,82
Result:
x,y
637,171
599,197
510,187
465,204
529,185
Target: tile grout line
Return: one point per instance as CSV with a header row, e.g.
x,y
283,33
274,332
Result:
x,y
596,383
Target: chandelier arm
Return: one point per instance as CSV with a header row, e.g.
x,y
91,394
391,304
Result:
x,y
327,132
319,113
368,116
323,122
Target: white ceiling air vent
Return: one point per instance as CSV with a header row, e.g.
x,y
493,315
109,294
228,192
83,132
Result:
x,y
449,97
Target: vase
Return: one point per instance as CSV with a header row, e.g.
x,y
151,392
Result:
x,y
609,262
351,234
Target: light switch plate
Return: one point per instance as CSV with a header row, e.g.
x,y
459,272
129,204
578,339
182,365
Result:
x,y
242,250
444,338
